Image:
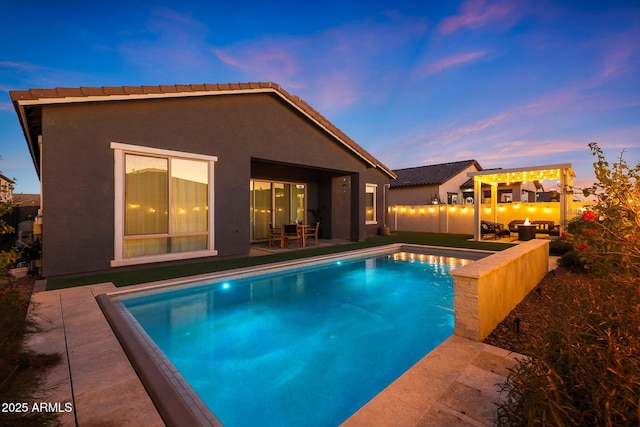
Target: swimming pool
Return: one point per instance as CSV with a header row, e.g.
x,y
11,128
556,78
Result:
x,y
307,346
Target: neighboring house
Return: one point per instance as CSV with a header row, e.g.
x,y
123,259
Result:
x,y
27,205
137,175
6,188
507,192
448,183
433,184
25,211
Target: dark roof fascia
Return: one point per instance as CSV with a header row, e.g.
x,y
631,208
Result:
x,y
23,99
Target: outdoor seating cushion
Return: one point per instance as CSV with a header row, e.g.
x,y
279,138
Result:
x,y
513,225
546,227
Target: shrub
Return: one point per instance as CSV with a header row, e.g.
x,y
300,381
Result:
x,y
559,247
607,236
589,372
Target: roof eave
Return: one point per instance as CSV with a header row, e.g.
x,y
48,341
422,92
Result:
x,y
34,150
22,99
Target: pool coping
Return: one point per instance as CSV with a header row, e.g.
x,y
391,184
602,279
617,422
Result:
x,y
177,403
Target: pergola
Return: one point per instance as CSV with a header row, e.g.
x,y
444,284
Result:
x,y
563,173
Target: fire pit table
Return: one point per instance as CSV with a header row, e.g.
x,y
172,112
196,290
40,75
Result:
x,y
526,232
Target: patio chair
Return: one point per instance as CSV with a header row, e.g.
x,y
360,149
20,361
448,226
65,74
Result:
x,y
290,232
495,228
313,232
274,234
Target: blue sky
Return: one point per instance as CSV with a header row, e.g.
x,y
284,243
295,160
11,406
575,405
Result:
x,y
508,83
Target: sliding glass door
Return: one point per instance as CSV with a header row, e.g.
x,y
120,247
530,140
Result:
x,y
260,209
277,203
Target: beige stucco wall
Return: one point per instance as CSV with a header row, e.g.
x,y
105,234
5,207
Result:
x,y
487,290
413,195
459,218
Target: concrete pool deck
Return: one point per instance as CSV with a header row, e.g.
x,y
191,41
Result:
x,y
455,384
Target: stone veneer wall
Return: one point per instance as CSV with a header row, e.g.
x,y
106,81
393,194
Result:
x,y
487,290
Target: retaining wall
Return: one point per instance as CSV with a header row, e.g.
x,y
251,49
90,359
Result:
x,y
487,290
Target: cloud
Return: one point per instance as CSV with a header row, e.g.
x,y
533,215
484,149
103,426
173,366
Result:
x,y
333,68
20,75
7,106
171,43
619,52
267,57
476,14
541,130
442,64
19,66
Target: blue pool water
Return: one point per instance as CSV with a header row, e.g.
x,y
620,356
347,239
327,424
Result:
x,y
306,346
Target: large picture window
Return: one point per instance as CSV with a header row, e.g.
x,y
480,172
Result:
x,y
163,205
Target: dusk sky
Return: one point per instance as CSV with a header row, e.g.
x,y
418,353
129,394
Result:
x,y
508,83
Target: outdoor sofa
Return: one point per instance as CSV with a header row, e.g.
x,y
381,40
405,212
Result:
x,y
495,228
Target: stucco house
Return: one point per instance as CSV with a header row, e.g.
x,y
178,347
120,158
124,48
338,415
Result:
x,y
432,184
448,183
6,188
135,175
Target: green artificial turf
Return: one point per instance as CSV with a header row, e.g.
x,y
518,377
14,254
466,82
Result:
x,y
171,271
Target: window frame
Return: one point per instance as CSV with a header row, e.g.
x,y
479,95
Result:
x,y
374,188
119,152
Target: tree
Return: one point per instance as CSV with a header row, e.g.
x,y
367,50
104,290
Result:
x,y
586,371
7,257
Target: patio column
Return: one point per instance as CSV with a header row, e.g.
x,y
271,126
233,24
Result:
x,y
477,196
494,201
566,198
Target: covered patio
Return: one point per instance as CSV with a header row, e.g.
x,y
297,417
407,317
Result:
x,y
561,173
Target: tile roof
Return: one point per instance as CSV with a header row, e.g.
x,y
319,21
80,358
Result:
x,y
22,99
26,199
430,174
4,178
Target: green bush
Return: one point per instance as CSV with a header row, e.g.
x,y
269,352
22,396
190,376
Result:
x,y
573,261
559,247
608,235
589,372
